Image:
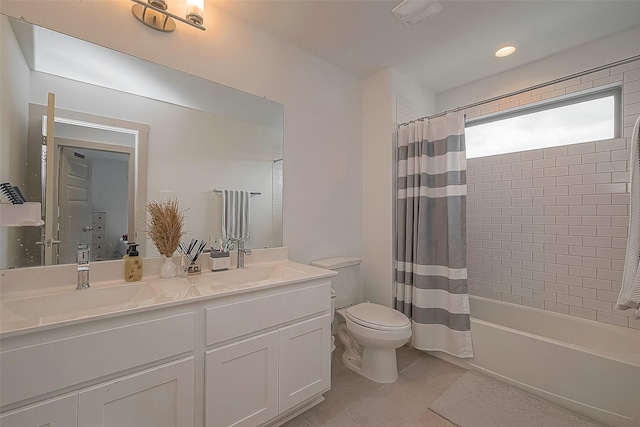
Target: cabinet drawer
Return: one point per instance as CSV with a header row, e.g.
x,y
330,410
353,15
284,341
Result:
x,y
97,247
99,217
34,370
238,318
98,234
58,412
98,229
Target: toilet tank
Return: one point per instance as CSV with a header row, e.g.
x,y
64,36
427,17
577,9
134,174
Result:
x,y
347,282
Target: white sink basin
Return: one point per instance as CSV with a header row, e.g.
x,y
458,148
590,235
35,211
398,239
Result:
x,y
255,275
78,301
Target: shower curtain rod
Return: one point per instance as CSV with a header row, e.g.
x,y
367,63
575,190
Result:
x,y
517,92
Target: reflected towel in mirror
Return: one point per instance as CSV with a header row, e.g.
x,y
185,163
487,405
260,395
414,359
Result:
x,y
235,214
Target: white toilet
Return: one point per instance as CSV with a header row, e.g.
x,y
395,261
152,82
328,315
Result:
x,y
370,332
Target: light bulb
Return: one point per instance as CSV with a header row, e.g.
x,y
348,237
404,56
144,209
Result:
x,y
505,51
195,11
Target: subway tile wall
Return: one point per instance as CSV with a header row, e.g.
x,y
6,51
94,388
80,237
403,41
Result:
x,y
407,110
548,228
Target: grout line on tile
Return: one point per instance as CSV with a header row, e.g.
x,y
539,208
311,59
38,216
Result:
x,y
410,365
444,418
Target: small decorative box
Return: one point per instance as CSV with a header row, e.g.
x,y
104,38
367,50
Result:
x,y
220,261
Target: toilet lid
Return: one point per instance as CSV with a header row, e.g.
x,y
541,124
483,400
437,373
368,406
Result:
x,y
377,316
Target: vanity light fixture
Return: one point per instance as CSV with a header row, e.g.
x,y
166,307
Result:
x,y
505,51
154,14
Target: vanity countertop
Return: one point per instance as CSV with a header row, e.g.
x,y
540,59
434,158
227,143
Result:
x,y
62,306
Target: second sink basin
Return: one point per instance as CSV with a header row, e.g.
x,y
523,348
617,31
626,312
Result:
x,y
78,301
253,275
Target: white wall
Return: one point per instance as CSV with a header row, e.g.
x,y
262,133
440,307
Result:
x,y
421,101
109,189
323,113
376,269
380,112
13,128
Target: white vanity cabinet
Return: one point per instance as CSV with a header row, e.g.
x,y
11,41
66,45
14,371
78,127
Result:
x,y
247,359
252,379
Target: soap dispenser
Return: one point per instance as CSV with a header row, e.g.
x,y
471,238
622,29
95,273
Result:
x,y
132,264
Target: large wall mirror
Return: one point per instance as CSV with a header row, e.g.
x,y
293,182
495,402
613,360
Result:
x,y
127,131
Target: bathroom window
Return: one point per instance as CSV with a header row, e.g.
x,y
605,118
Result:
x,y
584,118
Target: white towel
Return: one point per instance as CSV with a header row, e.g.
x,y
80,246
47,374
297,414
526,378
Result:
x,y
235,214
630,293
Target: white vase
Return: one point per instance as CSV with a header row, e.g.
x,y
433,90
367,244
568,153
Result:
x,y
168,269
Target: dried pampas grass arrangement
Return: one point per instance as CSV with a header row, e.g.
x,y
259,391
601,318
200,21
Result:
x,y
165,225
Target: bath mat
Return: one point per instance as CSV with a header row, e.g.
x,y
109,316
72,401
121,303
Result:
x,y
478,401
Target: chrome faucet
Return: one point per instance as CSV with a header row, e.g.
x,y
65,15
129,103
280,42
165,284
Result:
x,y
82,257
241,253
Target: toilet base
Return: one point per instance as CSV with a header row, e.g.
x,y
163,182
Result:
x,y
376,364
373,355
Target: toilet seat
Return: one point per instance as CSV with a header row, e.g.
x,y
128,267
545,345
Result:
x,y
378,317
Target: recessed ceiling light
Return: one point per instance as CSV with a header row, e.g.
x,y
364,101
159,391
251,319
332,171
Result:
x,y
505,51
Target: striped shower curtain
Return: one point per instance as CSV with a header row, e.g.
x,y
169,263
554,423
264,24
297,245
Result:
x,y
431,267
629,297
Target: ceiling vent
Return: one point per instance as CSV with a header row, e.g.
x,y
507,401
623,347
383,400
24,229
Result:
x,y
413,12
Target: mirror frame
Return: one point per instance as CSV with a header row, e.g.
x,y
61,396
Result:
x,y
137,173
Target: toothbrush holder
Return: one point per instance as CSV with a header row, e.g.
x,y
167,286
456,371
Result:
x,y
220,261
193,269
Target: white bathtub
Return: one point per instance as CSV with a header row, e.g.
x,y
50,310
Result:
x,y
589,367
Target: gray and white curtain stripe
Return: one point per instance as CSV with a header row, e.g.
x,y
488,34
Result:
x,y
629,297
431,267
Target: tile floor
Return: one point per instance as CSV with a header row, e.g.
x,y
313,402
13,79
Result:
x,y
354,401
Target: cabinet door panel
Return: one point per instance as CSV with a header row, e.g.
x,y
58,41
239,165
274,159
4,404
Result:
x,y
158,397
242,382
58,412
305,361
104,352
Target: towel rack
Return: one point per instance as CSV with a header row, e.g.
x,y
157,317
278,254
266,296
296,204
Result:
x,y
253,193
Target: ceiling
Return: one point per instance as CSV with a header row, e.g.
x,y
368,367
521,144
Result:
x,y
450,49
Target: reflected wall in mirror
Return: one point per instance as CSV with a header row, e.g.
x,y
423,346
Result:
x,y
98,180
201,136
